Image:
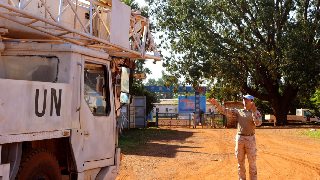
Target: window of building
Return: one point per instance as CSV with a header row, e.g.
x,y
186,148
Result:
x,y
167,110
157,109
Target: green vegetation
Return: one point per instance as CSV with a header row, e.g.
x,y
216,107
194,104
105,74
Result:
x,y
139,90
313,134
159,82
269,49
137,138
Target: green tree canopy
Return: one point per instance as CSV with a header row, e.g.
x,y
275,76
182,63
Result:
x,y
269,49
139,90
160,82
151,82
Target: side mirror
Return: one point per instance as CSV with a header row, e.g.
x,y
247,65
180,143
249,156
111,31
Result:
x,y
125,80
126,85
124,98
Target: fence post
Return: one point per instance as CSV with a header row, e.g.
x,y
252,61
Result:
x,y
157,118
189,120
202,116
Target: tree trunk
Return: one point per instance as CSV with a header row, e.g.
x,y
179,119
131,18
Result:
x,y
280,111
281,117
280,101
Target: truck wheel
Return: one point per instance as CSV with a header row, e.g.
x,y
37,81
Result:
x,y
38,164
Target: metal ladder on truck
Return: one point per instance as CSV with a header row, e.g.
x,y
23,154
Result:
x,y
85,23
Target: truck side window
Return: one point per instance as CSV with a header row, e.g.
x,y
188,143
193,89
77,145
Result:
x,y
96,88
307,113
31,67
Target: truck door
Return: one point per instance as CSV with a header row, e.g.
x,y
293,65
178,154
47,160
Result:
x,y
96,117
308,115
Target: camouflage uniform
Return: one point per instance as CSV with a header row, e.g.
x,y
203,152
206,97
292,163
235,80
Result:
x,y
194,119
245,139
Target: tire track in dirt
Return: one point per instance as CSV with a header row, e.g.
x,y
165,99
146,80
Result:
x,y
194,154
299,161
295,154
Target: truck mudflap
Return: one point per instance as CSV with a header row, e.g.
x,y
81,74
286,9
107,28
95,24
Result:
x,y
117,159
111,172
4,171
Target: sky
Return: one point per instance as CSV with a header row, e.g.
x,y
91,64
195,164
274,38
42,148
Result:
x,y
141,2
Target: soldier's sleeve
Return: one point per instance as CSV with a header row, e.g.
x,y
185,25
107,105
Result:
x,y
257,118
227,112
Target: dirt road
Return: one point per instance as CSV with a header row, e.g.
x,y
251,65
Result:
x,y
209,154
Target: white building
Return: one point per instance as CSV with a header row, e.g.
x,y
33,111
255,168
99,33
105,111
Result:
x,y
166,106
171,106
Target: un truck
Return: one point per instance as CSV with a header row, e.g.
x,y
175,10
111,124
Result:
x,y
65,71
302,115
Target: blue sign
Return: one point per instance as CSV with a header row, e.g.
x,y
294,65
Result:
x,y
170,89
95,99
197,106
187,105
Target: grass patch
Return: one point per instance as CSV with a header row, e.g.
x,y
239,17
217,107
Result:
x,y
313,134
135,139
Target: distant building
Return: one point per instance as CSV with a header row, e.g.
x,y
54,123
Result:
x,y
166,106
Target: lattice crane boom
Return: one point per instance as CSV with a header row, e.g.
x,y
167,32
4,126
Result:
x,y
107,25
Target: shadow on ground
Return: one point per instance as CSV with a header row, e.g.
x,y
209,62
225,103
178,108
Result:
x,y
162,144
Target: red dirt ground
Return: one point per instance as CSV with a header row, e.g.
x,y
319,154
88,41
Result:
x,y
209,154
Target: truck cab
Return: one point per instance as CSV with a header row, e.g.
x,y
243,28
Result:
x,y
302,115
59,98
307,115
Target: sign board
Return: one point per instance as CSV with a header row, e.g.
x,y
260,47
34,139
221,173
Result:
x,y
188,104
170,89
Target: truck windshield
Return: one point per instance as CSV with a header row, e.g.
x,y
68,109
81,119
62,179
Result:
x,y
307,113
31,67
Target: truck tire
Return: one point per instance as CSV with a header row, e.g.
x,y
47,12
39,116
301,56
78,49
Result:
x,y
38,164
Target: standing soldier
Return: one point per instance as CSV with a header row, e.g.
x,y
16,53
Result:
x,y
200,115
248,118
194,119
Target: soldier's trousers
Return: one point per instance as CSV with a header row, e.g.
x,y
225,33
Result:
x,y
246,145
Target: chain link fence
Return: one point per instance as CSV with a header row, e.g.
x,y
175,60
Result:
x,y
207,120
